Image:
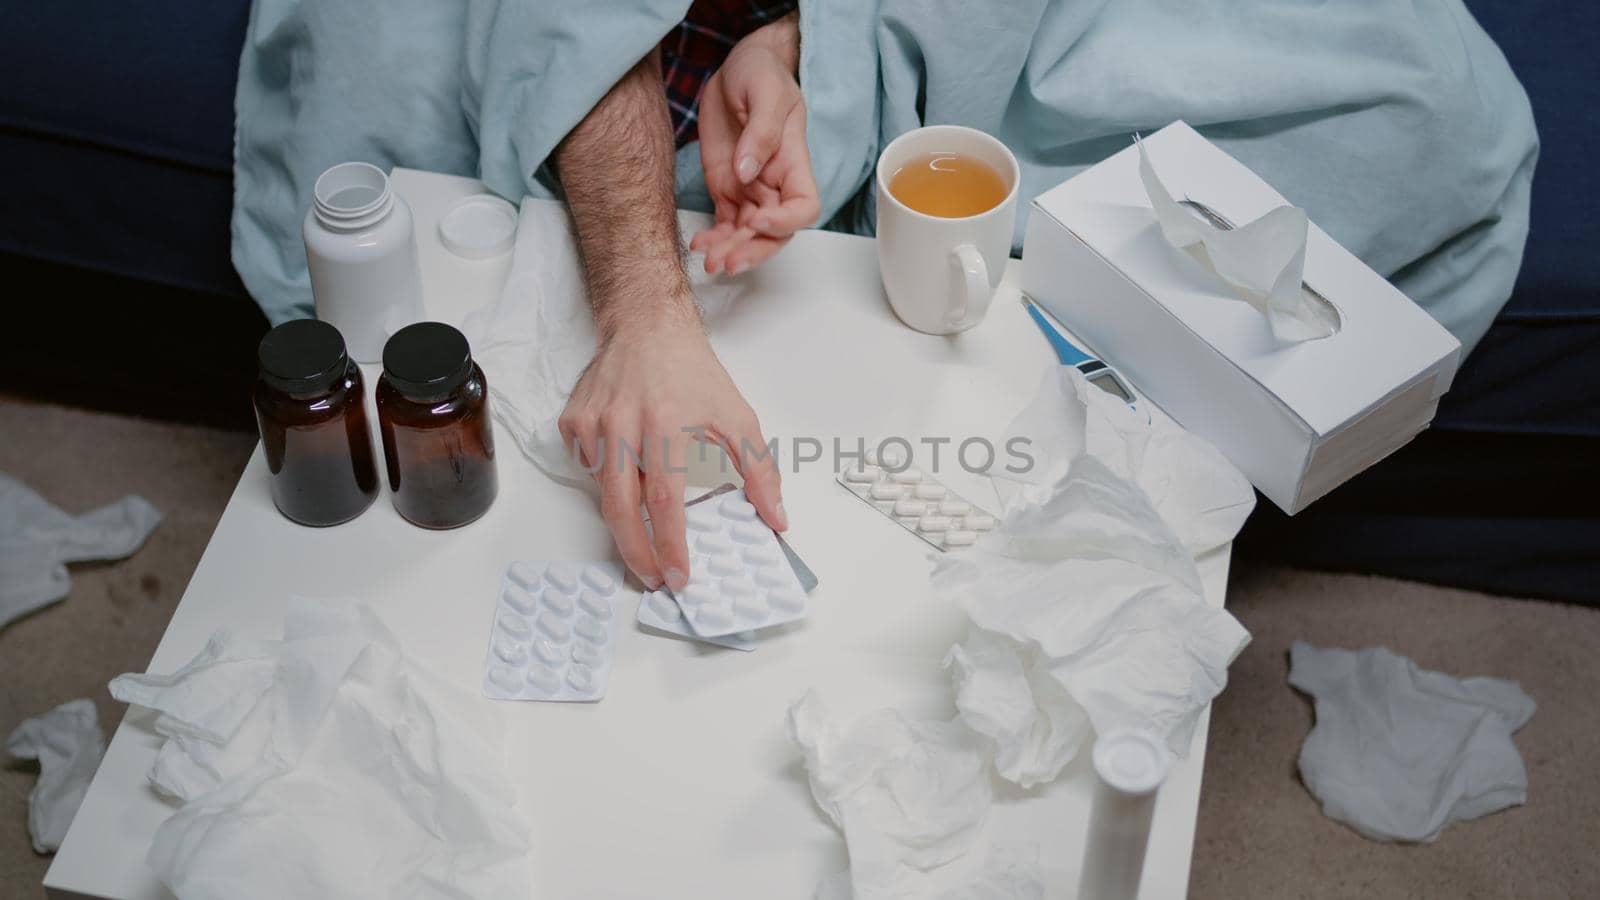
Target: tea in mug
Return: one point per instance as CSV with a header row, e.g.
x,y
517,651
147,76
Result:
x,y
948,185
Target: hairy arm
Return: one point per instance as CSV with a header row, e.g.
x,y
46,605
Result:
x,y
616,168
654,380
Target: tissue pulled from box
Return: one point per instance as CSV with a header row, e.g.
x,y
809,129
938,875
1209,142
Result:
x,y
1262,262
327,763
1086,603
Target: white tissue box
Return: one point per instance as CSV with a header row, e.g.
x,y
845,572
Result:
x,y
1297,419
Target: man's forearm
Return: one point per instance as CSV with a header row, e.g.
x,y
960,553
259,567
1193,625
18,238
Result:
x,y
616,168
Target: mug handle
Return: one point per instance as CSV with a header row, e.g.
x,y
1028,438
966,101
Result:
x,y
974,301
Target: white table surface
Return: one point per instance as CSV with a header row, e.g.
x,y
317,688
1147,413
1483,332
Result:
x,y
681,783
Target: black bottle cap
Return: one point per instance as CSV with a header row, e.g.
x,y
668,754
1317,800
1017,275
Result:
x,y
427,360
305,356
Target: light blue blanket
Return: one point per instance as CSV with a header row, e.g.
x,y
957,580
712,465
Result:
x,y
1398,127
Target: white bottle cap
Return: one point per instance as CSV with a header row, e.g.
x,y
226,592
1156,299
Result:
x,y
1133,762
479,227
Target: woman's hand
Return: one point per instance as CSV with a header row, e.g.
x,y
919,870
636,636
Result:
x,y
753,150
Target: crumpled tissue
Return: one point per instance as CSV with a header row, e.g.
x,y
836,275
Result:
x,y
1005,690
37,540
1398,752
537,339
1262,262
910,797
68,743
1088,615
1087,607
327,763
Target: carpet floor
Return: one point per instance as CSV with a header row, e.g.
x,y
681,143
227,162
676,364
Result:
x,y
1260,834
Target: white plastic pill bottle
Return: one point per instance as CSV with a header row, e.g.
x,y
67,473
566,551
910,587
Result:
x,y
361,250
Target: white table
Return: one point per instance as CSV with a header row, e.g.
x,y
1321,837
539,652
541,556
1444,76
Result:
x,y
681,783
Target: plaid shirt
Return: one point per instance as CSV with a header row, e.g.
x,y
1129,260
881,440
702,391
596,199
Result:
x,y
693,50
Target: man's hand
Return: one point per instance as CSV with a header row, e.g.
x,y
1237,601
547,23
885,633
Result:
x,y
653,389
654,384
753,150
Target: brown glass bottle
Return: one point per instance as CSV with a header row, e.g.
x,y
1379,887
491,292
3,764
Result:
x,y
311,409
433,413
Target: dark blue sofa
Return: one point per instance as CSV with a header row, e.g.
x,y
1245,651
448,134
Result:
x,y
116,124
116,136
119,119
1502,493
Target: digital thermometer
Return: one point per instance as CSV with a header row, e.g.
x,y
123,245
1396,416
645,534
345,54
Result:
x,y
1096,371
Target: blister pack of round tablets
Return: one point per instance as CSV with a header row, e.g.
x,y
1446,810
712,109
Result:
x,y
554,632
739,578
659,611
917,501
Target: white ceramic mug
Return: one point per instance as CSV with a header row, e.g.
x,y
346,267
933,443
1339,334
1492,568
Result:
x,y
940,273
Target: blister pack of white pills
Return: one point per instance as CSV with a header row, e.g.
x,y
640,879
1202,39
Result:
x,y
917,501
658,611
554,632
739,577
